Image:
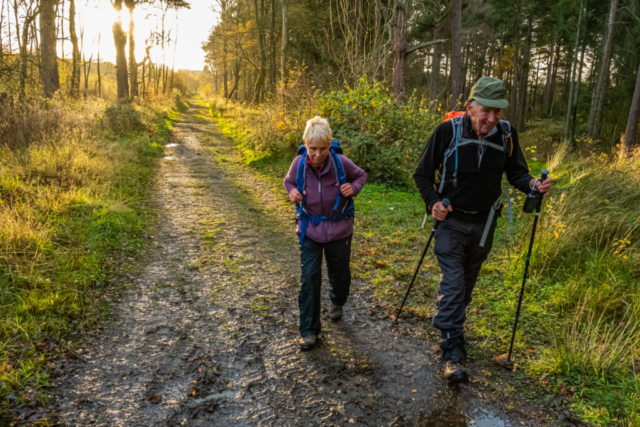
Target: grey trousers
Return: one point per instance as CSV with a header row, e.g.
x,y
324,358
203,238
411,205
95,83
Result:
x,y
460,258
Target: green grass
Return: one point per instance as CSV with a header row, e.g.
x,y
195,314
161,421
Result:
x,y
74,213
579,334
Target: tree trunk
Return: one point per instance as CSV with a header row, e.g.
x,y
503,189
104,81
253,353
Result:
x,y
597,105
456,47
133,65
272,49
516,58
554,78
576,96
86,71
399,48
435,71
283,47
524,78
75,54
98,70
24,59
259,87
574,66
120,41
62,27
50,77
630,136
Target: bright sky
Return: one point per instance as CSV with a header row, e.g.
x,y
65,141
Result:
x,y
192,27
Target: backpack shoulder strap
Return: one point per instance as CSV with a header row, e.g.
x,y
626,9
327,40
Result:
x,y
300,175
341,175
507,139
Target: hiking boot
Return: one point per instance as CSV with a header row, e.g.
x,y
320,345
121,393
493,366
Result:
x,y
455,360
335,313
455,373
307,343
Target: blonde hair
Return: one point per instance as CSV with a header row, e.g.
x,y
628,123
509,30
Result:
x,y
318,129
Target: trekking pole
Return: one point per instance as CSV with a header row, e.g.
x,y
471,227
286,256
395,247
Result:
x,y
508,363
445,203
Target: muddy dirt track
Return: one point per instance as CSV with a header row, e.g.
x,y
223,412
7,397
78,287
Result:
x,y
207,334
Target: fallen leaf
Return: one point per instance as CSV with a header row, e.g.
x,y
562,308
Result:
x,y
414,391
155,399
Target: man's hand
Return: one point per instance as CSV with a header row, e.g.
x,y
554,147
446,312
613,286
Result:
x,y
543,187
439,212
346,190
295,196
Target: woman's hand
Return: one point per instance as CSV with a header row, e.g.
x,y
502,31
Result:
x,y
295,196
346,190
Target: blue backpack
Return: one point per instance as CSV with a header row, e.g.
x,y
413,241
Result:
x,y
301,214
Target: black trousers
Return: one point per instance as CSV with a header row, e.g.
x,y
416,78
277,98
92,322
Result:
x,y
338,256
460,257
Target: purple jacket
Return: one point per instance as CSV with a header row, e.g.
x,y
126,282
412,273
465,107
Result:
x,y
321,199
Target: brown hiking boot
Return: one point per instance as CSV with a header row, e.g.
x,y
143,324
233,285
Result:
x,y
335,313
308,343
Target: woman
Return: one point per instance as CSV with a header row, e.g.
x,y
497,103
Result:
x,y
322,183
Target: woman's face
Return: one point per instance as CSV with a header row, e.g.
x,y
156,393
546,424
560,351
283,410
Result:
x,y
317,151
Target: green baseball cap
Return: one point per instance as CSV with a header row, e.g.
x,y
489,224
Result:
x,y
489,92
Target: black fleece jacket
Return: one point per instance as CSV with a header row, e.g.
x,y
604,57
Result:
x,y
478,186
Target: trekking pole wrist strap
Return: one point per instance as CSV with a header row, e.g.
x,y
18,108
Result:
x,y
535,181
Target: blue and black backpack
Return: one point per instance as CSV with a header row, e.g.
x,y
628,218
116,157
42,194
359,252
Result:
x,y
348,211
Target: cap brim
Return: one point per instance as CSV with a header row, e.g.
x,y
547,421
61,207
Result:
x,y
493,103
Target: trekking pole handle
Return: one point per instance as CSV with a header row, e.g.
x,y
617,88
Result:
x,y
445,202
545,175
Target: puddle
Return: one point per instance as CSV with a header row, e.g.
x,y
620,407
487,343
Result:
x,y
171,145
449,417
167,158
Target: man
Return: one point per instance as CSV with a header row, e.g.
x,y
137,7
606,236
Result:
x,y
470,154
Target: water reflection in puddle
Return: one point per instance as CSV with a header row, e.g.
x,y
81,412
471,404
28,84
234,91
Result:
x,y
451,417
167,158
171,145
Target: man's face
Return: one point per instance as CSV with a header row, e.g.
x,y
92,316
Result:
x,y
483,119
317,151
